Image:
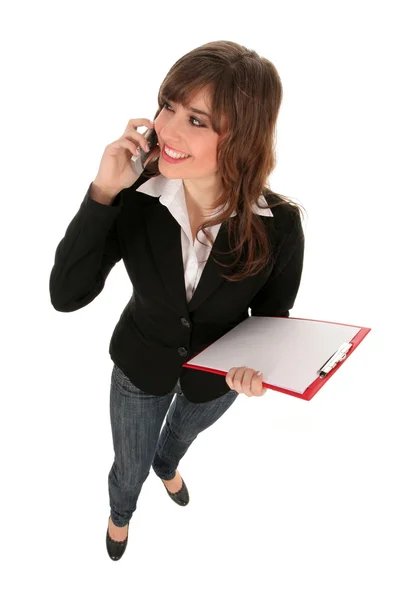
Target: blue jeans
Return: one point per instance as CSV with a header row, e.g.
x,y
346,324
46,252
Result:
x,y
136,419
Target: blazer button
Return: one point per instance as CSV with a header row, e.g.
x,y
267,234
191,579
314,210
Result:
x,y
182,351
185,322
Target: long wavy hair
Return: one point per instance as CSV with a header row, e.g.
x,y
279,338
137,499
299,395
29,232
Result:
x,y
246,93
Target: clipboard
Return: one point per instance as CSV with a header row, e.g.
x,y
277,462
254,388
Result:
x,y
296,356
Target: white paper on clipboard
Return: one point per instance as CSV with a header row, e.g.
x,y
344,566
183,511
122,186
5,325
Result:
x,y
288,351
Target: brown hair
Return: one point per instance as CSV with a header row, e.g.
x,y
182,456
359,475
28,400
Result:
x,y
246,93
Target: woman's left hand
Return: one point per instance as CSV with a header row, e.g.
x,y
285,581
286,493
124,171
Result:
x,y
245,381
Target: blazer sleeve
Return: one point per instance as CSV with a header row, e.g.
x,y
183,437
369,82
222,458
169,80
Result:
x,y
86,255
277,296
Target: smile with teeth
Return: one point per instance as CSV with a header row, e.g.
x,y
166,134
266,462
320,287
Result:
x,y
174,154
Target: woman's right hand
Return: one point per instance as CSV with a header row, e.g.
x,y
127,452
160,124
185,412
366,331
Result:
x,y
116,171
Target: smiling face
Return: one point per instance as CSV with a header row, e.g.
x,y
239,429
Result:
x,y
189,132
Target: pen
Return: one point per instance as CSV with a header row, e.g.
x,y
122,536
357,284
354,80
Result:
x,y
338,356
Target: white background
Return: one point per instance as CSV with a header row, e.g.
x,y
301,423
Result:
x,y
289,499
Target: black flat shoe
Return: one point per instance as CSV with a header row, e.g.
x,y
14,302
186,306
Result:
x,y
115,549
181,497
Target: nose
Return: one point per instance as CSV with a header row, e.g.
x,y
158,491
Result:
x,y
170,134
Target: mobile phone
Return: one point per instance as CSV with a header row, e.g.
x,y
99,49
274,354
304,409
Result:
x,y
149,159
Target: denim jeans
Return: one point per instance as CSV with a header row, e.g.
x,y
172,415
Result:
x,y
136,420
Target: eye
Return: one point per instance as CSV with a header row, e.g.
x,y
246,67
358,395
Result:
x,y
165,104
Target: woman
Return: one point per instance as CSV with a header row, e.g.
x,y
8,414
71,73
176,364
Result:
x,y
169,221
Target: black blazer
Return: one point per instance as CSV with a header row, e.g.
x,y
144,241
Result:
x,y
158,329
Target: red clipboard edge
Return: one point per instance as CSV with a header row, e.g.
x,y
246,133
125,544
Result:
x,y
318,383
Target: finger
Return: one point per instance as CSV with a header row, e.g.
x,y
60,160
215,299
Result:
x,y
248,382
138,139
257,386
135,123
230,376
237,379
132,134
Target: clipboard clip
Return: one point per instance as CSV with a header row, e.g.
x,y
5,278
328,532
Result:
x,y
337,357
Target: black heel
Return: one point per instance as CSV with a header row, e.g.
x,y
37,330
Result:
x,y
181,497
116,549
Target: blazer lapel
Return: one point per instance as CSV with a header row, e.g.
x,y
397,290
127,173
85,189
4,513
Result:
x,y
165,241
